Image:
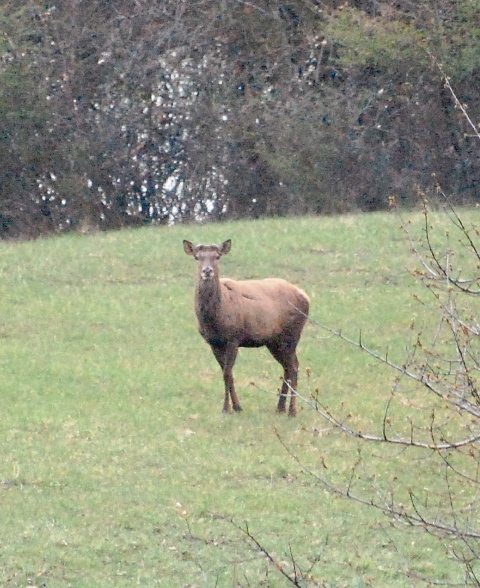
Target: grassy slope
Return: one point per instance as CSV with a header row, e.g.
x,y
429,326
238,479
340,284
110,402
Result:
x,y
118,468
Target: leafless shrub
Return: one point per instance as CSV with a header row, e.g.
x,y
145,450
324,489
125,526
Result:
x,y
440,376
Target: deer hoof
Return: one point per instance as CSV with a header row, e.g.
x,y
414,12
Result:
x,y
237,408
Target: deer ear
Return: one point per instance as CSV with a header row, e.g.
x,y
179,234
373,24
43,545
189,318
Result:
x,y
188,247
225,247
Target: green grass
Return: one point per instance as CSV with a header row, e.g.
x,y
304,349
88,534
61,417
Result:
x,y
118,467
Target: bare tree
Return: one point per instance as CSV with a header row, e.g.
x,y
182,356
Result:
x,y
170,111
440,376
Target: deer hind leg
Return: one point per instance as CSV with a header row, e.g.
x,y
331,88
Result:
x,y
287,358
226,356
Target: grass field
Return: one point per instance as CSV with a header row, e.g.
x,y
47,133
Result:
x,y
118,467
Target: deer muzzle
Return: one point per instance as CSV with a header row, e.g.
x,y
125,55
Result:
x,y
207,272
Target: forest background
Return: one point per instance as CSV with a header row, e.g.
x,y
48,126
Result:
x,y
122,113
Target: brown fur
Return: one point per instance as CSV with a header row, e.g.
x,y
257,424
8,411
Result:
x,y
249,313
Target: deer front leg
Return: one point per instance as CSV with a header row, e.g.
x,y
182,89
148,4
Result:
x,y
226,356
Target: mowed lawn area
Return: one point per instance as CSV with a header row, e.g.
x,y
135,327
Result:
x,y
118,468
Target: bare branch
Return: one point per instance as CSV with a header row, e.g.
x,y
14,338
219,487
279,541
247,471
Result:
x,y
458,104
269,556
395,511
250,5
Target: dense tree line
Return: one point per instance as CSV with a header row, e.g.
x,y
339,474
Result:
x,y
119,113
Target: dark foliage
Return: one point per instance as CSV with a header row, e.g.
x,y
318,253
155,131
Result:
x,y
127,113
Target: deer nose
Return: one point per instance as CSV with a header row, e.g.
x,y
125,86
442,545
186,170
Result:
x,y
207,272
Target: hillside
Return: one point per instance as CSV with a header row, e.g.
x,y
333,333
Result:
x,y
118,466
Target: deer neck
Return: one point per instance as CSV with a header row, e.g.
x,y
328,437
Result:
x,y
208,299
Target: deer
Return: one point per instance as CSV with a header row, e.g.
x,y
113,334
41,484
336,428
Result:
x,y
250,313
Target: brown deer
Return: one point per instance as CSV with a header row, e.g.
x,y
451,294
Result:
x,y
249,313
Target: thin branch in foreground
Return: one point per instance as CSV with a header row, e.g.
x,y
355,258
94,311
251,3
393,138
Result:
x,y
295,580
415,519
250,5
458,104
423,377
